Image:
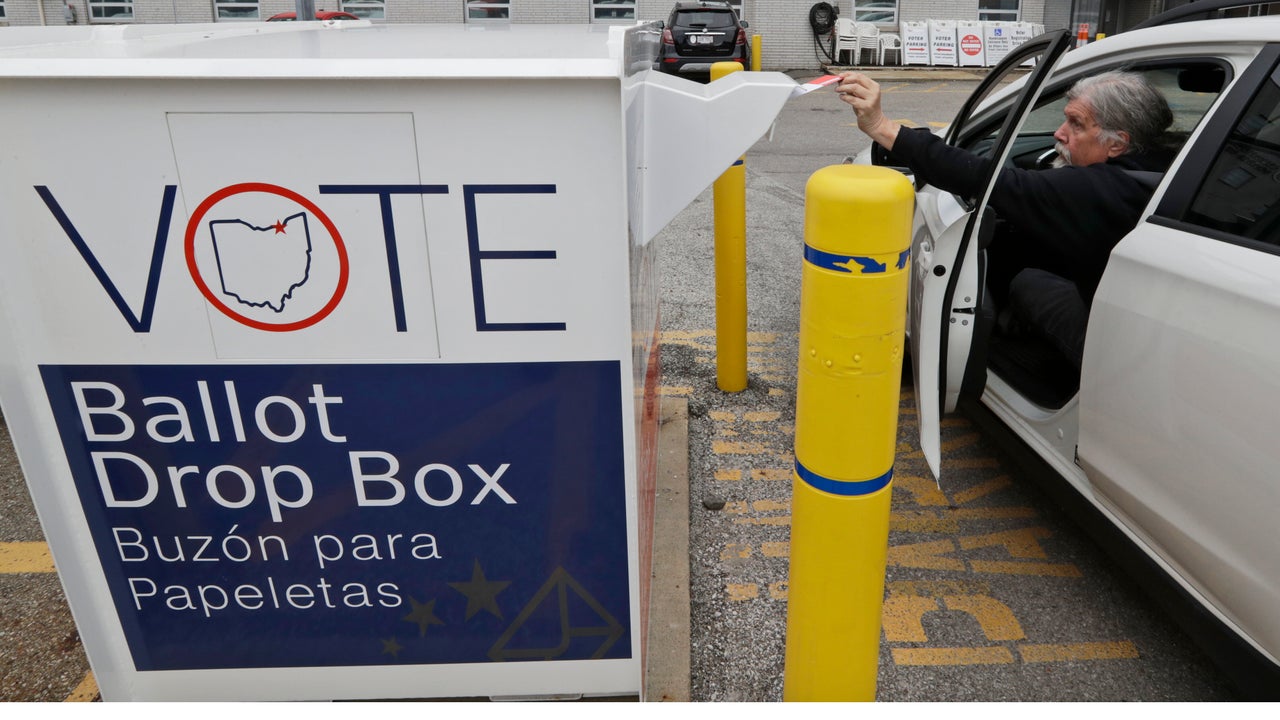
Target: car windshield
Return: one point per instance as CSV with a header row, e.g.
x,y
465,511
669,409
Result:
x,y
704,18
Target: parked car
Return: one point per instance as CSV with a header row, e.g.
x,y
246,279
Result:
x,y
697,35
320,15
1166,439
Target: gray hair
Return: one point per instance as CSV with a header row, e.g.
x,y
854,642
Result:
x,y
1125,102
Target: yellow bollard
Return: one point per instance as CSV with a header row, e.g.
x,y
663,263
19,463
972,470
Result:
x,y
853,305
755,53
729,195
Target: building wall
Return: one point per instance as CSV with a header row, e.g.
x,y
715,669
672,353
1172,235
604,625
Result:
x,y
787,40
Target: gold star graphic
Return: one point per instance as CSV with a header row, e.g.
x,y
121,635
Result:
x,y
422,614
392,648
481,593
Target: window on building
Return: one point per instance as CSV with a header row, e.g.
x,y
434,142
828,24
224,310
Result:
x,y
876,11
111,10
236,9
366,9
2,15
610,10
482,10
1000,10
737,6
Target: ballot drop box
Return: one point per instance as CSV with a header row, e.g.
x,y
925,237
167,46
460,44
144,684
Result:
x,y
329,350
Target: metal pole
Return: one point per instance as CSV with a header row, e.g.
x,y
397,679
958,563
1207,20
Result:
x,y
853,307
306,9
730,200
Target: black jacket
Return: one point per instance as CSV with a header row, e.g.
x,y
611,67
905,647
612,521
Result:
x,y
1073,215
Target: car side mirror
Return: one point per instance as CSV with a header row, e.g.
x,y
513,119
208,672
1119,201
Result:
x,y
745,24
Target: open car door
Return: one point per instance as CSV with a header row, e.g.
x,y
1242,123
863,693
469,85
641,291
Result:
x,y
947,266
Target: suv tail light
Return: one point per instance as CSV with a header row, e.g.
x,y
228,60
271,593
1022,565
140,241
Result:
x,y
667,37
742,37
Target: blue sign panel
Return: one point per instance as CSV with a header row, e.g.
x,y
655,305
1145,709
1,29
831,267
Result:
x,y
297,516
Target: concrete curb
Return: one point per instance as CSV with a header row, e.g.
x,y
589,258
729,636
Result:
x,y
667,671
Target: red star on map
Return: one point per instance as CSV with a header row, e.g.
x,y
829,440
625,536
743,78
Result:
x,y
279,226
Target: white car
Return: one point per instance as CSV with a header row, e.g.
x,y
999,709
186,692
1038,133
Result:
x,y
1171,430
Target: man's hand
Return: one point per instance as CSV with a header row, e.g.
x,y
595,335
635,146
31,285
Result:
x,y
863,95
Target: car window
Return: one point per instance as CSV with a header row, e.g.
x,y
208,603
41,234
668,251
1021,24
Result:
x,y
1241,192
704,18
1190,88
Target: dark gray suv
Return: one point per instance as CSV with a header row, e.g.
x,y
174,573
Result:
x,y
699,34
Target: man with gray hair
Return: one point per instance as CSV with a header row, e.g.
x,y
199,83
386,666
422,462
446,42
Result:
x,y
1062,222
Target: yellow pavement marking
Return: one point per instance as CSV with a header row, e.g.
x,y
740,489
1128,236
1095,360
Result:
x,y
938,588
723,416
86,691
777,392
726,432
771,505
955,421
779,520
25,557
953,656
924,491
767,338
721,447
948,521
1020,543
922,521
739,592
965,497
901,617
728,475
772,474
775,549
1007,567
674,390
1122,650
685,334
778,590
926,556
735,551
994,617
762,416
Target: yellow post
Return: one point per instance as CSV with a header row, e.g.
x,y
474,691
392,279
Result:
x,y
755,53
853,306
730,202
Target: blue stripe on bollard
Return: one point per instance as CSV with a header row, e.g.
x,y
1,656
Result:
x,y
842,487
840,263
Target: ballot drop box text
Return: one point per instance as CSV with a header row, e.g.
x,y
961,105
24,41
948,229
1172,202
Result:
x,y
330,354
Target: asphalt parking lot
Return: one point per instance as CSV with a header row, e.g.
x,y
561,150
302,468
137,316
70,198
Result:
x,y
992,593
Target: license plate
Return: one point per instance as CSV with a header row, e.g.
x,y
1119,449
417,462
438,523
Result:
x,y
701,39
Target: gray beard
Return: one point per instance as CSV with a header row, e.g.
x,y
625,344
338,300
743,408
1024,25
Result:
x,y
1064,156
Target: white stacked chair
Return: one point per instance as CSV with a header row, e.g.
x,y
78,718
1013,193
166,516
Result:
x,y
846,39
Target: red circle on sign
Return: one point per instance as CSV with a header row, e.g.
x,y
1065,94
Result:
x,y
340,248
971,44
